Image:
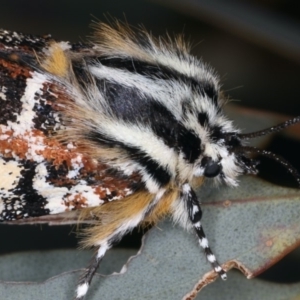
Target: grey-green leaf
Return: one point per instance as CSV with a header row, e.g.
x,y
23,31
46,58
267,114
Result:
x,y
249,227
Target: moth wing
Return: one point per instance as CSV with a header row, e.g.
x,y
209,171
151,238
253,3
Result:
x,y
42,177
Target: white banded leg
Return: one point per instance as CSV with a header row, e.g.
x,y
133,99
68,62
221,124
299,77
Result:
x,y
86,278
128,225
195,214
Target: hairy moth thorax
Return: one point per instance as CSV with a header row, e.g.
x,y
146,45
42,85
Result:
x,y
120,129
146,105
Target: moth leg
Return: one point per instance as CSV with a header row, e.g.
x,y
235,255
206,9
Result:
x,y
195,214
86,278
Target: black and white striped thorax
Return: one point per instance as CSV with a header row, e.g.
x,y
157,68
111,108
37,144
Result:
x,y
159,109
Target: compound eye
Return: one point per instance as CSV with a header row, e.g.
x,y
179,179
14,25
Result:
x,y
211,168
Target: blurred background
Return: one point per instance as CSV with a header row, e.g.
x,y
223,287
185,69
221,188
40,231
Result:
x,y
254,46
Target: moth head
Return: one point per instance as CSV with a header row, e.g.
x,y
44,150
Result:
x,y
232,158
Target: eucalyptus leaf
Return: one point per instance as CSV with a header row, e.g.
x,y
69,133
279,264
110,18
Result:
x,y
249,227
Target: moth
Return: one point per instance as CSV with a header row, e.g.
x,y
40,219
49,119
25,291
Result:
x,y
115,133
